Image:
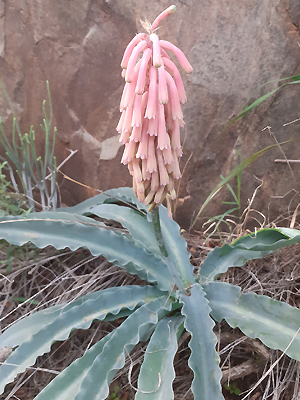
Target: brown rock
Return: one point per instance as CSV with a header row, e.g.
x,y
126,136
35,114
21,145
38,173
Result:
x,y
234,47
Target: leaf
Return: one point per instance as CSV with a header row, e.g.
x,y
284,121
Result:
x,y
73,316
274,322
66,385
157,371
254,104
204,359
235,172
253,246
124,195
23,299
295,80
28,326
137,224
100,374
62,230
176,247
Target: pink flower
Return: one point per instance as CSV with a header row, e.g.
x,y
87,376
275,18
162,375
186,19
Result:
x,y
156,55
153,95
152,116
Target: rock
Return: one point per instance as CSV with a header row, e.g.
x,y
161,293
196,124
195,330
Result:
x,y
234,47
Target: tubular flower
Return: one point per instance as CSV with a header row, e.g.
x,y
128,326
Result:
x,y
151,114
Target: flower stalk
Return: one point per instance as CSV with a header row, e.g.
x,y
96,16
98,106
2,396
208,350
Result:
x,y
151,117
157,231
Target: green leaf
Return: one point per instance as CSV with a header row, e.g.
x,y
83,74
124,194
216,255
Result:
x,y
62,230
176,247
235,172
255,245
204,359
23,299
79,315
28,326
124,195
66,385
157,371
274,322
137,224
295,80
100,374
254,104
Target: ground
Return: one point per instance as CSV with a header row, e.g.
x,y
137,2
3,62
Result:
x,y
38,278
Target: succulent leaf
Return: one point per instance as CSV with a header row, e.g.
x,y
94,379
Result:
x,y
137,224
123,194
204,359
176,247
95,384
157,371
28,326
274,322
66,385
62,230
79,315
255,245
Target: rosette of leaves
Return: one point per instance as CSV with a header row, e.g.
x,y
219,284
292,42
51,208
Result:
x,y
175,300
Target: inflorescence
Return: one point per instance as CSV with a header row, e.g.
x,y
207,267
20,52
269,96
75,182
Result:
x,y
151,114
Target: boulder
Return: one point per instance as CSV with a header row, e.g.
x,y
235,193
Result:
x,y
234,48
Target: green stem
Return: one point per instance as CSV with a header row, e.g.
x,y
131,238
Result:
x,y
157,230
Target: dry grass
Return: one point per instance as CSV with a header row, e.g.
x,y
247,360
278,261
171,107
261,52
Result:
x,y
53,277
244,361
49,277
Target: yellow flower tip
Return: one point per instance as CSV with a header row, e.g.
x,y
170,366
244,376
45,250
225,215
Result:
x,y
164,14
169,206
172,194
151,207
171,9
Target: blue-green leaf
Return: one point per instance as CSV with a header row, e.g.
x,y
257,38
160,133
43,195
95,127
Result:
x,y
157,371
255,245
95,385
125,195
79,315
176,247
204,359
137,224
28,326
274,322
62,230
66,385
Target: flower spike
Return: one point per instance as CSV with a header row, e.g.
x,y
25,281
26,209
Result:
x,y
151,115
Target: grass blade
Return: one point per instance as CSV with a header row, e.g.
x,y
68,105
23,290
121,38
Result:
x,y
235,172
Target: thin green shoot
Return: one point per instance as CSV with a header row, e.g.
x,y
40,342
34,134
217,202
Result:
x,y
216,221
33,171
234,173
22,300
294,80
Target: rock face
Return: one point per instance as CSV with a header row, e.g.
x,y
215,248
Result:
x,y
234,47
